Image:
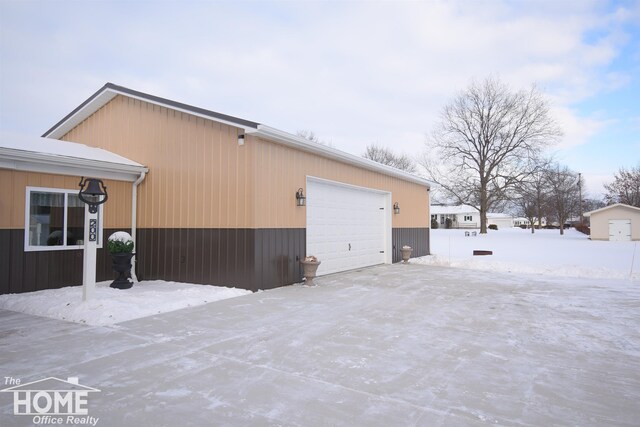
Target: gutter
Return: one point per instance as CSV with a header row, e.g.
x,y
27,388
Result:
x,y
300,143
134,214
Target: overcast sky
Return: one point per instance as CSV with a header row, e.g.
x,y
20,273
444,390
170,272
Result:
x,y
355,73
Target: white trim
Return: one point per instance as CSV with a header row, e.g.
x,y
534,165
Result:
x,y
107,95
64,247
331,153
63,165
617,205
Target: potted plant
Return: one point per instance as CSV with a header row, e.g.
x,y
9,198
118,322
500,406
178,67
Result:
x,y
406,253
310,265
120,245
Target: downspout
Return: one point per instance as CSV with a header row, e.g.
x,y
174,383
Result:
x,y
134,212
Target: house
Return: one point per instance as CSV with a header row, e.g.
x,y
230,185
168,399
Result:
x,y
617,222
461,216
465,216
211,199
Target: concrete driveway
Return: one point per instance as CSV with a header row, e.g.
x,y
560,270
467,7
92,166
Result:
x,y
395,345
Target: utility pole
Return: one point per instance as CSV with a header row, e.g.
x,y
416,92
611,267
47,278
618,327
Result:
x,y
580,195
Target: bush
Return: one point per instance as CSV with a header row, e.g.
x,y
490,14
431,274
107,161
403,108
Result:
x,y
493,227
120,242
434,224
523,226
584,229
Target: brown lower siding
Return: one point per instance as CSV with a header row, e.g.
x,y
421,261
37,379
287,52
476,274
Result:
x,y
22,271
417,238
247,258
239,257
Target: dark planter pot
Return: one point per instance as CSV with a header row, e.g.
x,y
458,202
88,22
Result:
x,y
122,266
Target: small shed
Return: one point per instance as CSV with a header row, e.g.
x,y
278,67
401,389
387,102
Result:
x,y
617,222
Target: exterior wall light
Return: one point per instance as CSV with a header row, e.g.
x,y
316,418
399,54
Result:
x,y
396,208
91,191
240,139
300,199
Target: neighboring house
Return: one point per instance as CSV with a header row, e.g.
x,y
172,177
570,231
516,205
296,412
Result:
x,y
218,205
465,216
500,219
461,216
617,222
521,222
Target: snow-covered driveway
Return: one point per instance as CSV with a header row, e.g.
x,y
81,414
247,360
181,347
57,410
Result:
x,y
394,345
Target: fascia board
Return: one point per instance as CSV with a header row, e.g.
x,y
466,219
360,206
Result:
x,y
107,94
79,116
35,162
324,151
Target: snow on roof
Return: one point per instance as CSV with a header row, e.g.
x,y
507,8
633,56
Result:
x,y
460,209
464,209
54,147
37,154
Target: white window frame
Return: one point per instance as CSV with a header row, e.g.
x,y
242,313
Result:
x,y
64,247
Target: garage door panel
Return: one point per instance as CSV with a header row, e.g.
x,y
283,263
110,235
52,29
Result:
x,y
339,216
620,229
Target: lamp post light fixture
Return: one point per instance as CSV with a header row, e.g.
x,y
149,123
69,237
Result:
x,y
301,200
396,208
93,192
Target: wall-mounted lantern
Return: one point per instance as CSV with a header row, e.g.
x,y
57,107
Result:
x,y
300,199
241,139
93,192
396,208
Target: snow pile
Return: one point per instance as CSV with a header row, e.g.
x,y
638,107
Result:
x,y
121,236
545,252
115,305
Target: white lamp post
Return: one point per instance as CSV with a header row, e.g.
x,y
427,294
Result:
x,y
92,192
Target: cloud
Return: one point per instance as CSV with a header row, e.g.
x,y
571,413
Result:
x,y
355,73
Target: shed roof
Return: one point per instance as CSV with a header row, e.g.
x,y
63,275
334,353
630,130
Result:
x,y
38,154
110,91
620,205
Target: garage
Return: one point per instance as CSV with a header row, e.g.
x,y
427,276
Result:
x,y
616,223
619,230
348,227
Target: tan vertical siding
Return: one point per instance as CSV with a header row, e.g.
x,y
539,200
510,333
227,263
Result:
x,y
13,185
200,178
281,170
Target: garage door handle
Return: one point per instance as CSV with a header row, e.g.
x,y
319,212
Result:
x,y
349,246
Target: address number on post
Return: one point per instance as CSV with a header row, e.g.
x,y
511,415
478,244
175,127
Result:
x,y
93,230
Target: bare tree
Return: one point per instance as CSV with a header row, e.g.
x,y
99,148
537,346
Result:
x,y
625,187
311,136
486,142
564,188
388,157
533,195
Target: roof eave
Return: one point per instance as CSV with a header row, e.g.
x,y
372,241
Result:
x,y
64,165
300,143
110,91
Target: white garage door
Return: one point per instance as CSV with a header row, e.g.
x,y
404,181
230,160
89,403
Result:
x,y
619,229
346,226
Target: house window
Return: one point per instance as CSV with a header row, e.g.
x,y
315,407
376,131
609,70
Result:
x,y
54,220
468,218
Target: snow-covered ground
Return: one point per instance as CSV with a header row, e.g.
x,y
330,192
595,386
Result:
x,y
116,305
545,252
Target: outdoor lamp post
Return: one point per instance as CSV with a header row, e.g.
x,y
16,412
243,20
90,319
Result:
x,y
93,192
